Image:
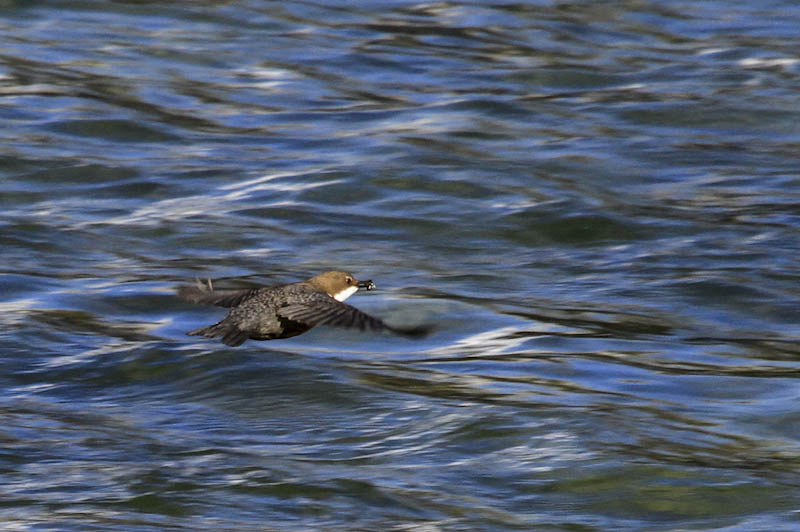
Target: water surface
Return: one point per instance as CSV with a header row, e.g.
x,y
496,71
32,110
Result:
x,y
595,204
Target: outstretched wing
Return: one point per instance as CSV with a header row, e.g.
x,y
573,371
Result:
x,y
322,309
206,294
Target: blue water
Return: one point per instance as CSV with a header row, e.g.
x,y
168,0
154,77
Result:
x,y
595,206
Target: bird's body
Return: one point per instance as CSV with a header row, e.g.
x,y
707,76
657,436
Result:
x,y
283,311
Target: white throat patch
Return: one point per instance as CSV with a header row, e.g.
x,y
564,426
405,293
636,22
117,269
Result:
x,y
344,294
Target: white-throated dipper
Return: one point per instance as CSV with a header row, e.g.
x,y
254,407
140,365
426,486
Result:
x,y
283,311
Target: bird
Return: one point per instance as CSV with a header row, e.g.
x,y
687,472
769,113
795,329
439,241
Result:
x,y
284,311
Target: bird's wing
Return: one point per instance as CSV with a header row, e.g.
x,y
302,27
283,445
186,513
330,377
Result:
x,y
321,309
221,298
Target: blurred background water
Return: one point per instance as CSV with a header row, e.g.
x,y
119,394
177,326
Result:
x,y
596,204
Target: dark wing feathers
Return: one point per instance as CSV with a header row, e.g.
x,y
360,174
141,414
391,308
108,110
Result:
x,y
221,298
322,309
230,298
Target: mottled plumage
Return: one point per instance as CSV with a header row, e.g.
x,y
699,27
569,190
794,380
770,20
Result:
x,y
283,311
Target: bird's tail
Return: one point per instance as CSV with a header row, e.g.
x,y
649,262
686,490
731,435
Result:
x,y
230,333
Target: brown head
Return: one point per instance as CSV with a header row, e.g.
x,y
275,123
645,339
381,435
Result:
x,y
339,285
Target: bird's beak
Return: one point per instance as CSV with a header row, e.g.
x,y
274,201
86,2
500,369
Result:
x,y
367,285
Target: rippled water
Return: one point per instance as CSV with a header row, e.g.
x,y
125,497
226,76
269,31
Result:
x,y
595,204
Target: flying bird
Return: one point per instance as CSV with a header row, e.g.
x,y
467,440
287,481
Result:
x,y
283,311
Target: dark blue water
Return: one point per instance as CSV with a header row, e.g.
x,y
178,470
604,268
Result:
x,y
595,205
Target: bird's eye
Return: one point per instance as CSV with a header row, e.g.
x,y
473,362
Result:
x,y
348,280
